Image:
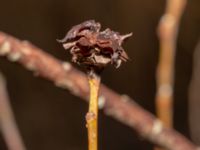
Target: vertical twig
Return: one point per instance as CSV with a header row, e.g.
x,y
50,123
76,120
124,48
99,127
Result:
x,y
94,49
194,98
8,125
92,115
167,31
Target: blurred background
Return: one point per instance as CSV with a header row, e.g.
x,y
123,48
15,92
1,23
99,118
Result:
x,y
50,118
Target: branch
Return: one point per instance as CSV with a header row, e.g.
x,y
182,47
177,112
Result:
x,y
120,107
167,32
92,114
8,125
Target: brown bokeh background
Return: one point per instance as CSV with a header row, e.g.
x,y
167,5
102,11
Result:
x,y
50,118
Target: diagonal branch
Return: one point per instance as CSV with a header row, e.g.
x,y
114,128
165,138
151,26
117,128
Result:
x,y
120,107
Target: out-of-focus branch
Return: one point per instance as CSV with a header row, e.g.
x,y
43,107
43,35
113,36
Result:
x,y
167,31
194,98
8,125
120,107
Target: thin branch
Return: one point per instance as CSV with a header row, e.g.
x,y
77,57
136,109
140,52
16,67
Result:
x,y
92,115
8,125
120,107
194,98
167,31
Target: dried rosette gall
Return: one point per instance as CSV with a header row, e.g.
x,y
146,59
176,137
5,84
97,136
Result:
x,y
94,48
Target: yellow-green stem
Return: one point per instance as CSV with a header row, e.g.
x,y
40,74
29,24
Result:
x,y
92,115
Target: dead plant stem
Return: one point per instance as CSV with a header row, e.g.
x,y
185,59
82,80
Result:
x,y
92,115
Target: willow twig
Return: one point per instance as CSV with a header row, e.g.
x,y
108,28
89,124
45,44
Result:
x,y
167,31
120,107
92,115
94,49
